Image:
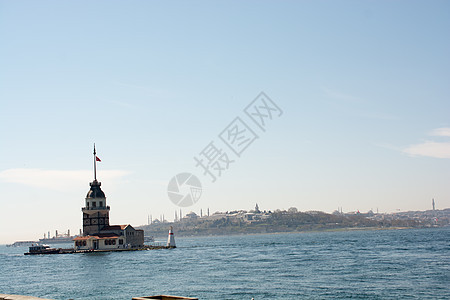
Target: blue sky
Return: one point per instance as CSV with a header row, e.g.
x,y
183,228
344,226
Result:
x,y
363,85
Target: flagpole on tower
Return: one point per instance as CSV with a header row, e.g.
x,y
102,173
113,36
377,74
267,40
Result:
x,y
95,165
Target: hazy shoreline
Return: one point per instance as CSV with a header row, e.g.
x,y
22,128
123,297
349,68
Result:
x,y
301,232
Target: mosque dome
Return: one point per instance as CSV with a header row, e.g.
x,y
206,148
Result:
x,y
95,191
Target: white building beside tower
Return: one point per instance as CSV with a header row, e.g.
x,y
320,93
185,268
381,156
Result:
x,y
98,234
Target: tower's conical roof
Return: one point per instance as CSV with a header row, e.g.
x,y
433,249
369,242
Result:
x,y
95,191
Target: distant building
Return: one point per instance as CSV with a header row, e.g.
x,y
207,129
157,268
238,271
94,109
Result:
x,y
249,217
97,233
191,215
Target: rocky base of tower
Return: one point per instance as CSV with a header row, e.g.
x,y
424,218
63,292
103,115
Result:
x,y
71,250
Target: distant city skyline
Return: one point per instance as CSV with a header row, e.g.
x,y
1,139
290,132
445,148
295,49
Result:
x,y
362,87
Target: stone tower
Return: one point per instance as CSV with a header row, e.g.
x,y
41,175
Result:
x,y
95,212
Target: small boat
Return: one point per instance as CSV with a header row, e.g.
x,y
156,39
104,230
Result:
x,y
22,244
66,239
42,249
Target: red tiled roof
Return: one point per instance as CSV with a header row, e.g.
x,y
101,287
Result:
x,y
97,237
80,238
115,227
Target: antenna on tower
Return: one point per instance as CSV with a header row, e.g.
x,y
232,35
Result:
x,y
95,164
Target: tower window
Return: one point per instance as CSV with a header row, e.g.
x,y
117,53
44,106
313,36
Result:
x,y
101,204
94,204
87,205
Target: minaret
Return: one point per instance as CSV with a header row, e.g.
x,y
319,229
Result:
x,y
434,208
95,212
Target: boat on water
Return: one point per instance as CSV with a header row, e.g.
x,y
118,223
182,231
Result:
x,y
22,244
42,249
58,240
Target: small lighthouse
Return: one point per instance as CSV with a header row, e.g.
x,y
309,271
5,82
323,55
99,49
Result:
x,y
171,239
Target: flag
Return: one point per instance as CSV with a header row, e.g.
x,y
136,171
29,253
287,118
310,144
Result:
x,y
97,159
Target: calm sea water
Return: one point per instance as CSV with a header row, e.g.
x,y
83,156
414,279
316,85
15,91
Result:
x,y
395,264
